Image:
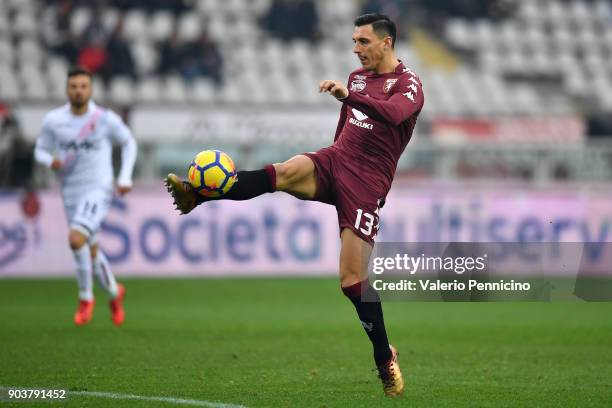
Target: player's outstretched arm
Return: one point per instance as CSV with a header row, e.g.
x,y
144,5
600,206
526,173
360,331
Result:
x,y
405,102
397,109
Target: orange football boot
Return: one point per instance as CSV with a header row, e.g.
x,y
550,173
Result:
x,y
116,306
84,313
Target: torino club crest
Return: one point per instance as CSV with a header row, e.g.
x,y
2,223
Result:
x,y
389,84
358,85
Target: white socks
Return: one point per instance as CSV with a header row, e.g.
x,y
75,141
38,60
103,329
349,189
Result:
x,y
82,256
104,275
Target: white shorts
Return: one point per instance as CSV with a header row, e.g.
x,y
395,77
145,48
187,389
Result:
x,y
86,212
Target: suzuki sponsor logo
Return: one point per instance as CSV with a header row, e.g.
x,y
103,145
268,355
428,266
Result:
x,y
359,115
363,125
358,119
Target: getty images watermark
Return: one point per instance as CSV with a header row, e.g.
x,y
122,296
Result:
x,y
491,271
458,265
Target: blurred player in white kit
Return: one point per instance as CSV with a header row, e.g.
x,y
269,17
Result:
x,y
76,141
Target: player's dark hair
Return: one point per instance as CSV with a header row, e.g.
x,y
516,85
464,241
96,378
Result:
x,y
79,70
381,24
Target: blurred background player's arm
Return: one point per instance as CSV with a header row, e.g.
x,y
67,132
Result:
x,y
123,136
404,103
44,147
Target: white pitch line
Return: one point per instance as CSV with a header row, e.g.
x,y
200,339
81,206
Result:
x,y
113,395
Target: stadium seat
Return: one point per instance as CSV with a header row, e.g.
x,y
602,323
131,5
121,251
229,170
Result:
x,y
5,26
34,87
259,7
148,90
230,93
530,12
9,86
6,52
161,26
189,27
174,90
483,35
145,56
217,30
56,78
135,25
110,19
21,5
79,20
579,14
29,53
25,24
121,90
459,34
202,91
100,93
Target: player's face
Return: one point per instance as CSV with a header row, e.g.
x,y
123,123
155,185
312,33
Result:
x,y
369,47
78,90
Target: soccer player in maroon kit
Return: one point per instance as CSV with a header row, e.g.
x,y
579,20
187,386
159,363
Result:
x,y
379,110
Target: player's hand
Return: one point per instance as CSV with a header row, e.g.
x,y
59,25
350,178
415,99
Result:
x,y
336,88
56,164
123,190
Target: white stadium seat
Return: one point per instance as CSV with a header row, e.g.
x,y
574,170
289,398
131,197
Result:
x,y
174,90
202,91
29,53
100,92
135,25
145,56
9,86
25,24
161,26
121,90
459,34
189,26
33,85
79,20
148,90
7,55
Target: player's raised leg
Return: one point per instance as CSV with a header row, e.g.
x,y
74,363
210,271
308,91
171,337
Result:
x,y
106,279
296,176
354,256
81,251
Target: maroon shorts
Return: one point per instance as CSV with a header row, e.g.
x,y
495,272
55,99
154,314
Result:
x,y
355,197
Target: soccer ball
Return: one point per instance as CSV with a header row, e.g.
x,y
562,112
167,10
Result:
x,y
212,173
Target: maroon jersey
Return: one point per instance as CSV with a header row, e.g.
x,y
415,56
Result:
x,y
377,120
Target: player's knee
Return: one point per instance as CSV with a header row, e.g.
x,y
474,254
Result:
x,y
292,172
286,175
349,276
76,239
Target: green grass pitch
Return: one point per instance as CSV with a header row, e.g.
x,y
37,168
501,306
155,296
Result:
x,y
297,343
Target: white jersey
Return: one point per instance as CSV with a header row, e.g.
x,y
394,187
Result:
x,y
84,145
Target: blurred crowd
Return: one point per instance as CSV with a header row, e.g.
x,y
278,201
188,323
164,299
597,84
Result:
x,y
105,52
